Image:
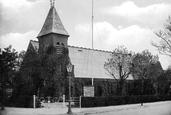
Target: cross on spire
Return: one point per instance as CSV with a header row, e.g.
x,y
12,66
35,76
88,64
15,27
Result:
x,y
52,2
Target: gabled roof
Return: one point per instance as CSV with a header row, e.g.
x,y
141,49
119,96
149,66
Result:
x,y
81,58
52,24
35,45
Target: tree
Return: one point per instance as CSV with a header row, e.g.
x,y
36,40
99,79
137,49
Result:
x,y
164,46
54,70
144,68
164,82
7,67
43,74
30,72
17,80
119,66
19,60
168,76
28,77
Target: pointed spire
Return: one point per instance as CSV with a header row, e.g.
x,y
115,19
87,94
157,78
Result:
x,y
53,24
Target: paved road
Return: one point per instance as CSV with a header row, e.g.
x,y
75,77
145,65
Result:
x,y
158,108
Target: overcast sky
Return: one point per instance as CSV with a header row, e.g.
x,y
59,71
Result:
x,y
116,22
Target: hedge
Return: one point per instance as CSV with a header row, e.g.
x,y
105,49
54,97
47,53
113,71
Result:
x,y
118,100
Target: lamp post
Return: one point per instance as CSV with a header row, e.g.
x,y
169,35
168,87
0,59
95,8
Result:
x,y
142,90
69,70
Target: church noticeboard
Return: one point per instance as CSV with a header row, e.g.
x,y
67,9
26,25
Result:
x,y
88,91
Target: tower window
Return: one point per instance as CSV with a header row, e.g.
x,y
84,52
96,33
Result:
x,y
62,44
58,43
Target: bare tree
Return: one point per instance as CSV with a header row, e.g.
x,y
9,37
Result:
x,y
118,66
164,46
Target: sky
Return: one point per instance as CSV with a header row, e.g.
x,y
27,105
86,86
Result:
x,y
129,23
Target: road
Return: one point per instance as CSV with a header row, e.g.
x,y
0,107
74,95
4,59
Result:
x,y
157,108
153,109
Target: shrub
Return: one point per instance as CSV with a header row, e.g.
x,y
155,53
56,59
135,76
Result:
x,y
99,101
118,100
87,101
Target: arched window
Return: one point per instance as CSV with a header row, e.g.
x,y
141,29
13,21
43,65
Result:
x,y
62,44
58,43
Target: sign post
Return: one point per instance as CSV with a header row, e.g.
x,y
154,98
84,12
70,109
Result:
x,y
34,101
88,91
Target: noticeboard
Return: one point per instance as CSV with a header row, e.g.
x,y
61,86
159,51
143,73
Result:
x,y
88,91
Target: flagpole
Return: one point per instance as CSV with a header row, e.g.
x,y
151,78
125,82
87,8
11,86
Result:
x,y
92,47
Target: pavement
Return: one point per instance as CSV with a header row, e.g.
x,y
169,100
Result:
x,y
78,111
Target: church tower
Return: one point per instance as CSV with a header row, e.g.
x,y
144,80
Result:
x,y
53,32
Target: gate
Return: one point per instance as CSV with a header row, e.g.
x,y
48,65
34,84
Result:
x,y
75,101
55,102
48,102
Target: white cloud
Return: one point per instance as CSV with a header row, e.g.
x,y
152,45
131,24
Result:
x,y
134,38
151,14
20,16
16,3
17,40
83,28
13,16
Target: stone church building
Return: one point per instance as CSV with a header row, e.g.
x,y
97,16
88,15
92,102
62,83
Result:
x,y
86,67
53,33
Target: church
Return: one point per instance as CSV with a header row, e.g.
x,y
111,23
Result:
x,y
53,33
88,63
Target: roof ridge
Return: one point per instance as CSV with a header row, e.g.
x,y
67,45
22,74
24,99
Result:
x,y
90,49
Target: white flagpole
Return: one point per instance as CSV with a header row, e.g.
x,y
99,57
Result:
x,y
92,48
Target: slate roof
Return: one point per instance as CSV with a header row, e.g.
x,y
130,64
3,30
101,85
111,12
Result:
x,y
52,24
81,58
88,65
